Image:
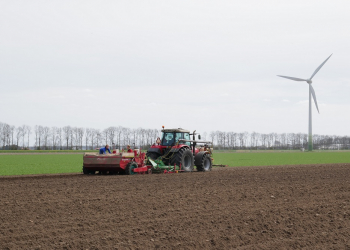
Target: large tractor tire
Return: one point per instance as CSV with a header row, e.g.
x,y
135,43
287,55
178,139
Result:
x,y
203,162
152,155
129,169
184,157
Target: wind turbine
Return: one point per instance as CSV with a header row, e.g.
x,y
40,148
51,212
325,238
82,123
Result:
x,y
311,92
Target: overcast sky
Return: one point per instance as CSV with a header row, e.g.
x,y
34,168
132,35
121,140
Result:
x,y
205,65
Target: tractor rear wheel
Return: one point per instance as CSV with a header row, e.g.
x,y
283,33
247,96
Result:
x,y
183,157
204,163
129,169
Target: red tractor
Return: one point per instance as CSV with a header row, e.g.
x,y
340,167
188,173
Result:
x,y
177,148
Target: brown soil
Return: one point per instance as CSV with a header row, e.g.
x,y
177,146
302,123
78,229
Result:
x,y
245,208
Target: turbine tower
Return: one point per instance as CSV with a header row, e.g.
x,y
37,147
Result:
x,y
311,93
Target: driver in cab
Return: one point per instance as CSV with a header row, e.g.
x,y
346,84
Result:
x,y
169,139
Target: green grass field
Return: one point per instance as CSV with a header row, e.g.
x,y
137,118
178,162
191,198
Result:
x,y
40,164
72,163
280,158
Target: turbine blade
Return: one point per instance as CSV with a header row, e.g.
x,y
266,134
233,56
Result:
x,y
293,78
319,67
314,97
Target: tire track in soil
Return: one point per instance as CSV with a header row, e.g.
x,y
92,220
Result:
x,y
247,207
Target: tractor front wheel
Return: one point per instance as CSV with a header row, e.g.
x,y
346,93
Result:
x,y
152,155
183,157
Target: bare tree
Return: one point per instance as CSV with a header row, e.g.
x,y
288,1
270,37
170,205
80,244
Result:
x,y
59,136
24,133
233,139
111,134
54,137
19,132
46,134
119,135
5,133
241,140
71,138
11,129
253,139
93,137
67,131
105,135
264,138
36,132
98,137
142,133
88,133
272,139
156,133
134,134
75,137
149,136
126,135
39,130
29,131
2,134
81,132
212,136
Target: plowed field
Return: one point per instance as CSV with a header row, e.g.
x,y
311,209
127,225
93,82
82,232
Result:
x,y
245,208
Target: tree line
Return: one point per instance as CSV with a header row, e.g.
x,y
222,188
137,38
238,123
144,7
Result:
x,y
78,138
283,141
73,138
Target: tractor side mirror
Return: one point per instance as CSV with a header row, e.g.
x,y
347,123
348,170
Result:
x,y
199,137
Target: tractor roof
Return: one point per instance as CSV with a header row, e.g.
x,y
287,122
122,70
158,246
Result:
x,y
176,130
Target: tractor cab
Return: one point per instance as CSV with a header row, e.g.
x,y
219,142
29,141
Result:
x,y
171,137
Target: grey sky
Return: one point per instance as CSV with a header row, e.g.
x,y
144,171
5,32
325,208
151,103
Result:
x,y
205,65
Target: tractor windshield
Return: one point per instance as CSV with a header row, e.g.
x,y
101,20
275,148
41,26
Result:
x,y
169,140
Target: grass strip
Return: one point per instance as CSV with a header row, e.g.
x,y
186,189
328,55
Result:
x,y
72,163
